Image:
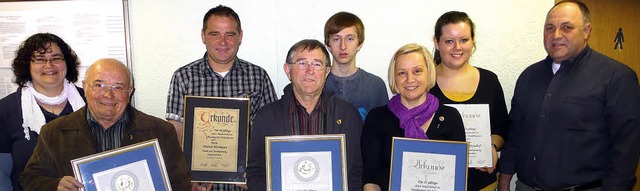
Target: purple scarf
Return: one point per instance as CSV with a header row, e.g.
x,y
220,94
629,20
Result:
x,y
412,119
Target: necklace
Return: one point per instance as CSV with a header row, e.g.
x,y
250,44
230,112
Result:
x,y
55,109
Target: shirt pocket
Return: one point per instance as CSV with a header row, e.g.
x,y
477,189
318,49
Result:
x,y
254,98
581,113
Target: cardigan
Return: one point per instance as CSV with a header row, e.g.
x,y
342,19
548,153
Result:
x,y
12,136
489,91
274,120
381,125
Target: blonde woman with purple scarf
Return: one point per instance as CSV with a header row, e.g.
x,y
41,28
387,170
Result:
x,y
412,112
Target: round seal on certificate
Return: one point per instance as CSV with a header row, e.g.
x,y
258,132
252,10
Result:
x,y
306,169
124,181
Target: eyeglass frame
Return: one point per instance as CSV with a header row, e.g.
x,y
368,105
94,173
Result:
x,y
43,61
307,64
103,88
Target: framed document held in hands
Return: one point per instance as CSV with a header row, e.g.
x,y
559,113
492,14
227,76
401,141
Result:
x,y
306,162
134,167
215,135
419,164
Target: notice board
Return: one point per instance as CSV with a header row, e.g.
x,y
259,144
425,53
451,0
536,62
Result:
x,y
93,28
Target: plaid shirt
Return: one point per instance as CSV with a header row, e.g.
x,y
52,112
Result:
x,y
198,79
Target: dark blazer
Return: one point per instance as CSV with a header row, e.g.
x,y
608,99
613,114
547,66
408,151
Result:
x,y
274,120
69,137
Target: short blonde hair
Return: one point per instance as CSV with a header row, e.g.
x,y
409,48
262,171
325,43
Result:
x,y
411,48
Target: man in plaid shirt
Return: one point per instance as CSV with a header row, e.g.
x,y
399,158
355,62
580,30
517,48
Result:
x,y
219,73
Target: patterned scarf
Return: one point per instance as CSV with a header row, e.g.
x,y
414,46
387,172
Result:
x,y
412,119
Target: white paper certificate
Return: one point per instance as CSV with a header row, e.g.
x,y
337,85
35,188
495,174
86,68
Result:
x,y
130,177
306,171
426,171
477,126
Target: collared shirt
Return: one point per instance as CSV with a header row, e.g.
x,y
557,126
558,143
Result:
x,y
577,126
198,79
111,137
275,120
304,123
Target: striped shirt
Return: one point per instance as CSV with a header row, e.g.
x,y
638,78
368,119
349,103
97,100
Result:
x,y
111,137
198,79
304,123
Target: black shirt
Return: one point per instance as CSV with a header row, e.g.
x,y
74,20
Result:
x,y
577,126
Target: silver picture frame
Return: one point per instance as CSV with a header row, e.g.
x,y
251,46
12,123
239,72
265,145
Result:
x,y
139,165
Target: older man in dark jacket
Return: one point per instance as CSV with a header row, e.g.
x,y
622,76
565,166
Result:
x,y
306,109
107,122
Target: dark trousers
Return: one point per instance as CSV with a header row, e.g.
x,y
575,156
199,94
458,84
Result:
x,y
520,186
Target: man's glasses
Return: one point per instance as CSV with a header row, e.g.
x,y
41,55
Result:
x,y
43,61
303,65
102,88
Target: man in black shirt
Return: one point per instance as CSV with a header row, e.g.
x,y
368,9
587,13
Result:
x,y
575,116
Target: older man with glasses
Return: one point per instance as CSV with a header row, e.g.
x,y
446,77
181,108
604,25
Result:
x,y
107,122
306,109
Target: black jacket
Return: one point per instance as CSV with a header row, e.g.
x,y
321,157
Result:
x,y
273,120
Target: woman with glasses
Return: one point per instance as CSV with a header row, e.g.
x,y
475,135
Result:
x,y
45,68
412,112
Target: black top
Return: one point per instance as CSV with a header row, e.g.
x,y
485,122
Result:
x,y
381,125
489,91
577,126
12,137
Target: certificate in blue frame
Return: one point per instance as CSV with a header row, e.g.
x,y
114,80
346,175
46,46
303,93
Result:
x,y
306,162
428,165
140,165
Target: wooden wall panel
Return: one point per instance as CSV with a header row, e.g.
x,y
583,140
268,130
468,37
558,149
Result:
x,y
606,18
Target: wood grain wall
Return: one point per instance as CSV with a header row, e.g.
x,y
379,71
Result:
x,y
606,18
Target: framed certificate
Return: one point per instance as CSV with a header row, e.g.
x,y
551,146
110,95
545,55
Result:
x,y
419,164
133,167
306,162
215,135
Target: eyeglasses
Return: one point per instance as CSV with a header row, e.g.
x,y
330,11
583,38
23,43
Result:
x,y
102,88
303,65
42,61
